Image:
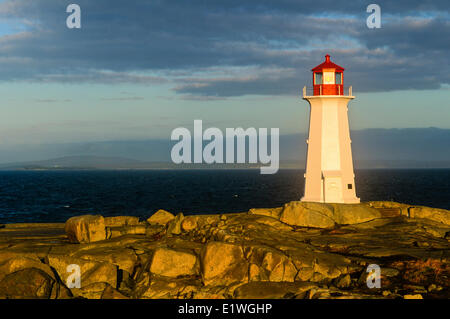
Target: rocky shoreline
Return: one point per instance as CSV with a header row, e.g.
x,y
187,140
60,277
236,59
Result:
x,y
300,250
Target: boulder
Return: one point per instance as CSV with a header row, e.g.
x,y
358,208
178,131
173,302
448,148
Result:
x,y
101,273
27,283
255,273
208,220
223,264
436,229
403,208
270,212
111,293
343,281
212,292
91,291
269,264
272,222
305,274
303,256
60,291
272,290
174,226
117,221
19,263
348,214
113,232
387,272
435,214
323,208
164,288
330,266
85,228
154,230
161,217
124,258
280,267
174,263
297,214
189,223
322,215
91,271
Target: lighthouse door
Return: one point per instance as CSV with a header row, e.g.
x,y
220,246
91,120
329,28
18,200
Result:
x,y
332,188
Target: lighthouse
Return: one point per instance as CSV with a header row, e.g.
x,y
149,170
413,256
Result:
x,y
329,176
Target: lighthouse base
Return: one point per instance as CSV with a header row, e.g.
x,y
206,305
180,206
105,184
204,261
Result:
x,y
333,190
355,200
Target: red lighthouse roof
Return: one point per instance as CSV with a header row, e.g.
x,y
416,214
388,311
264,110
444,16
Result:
x,y
328,65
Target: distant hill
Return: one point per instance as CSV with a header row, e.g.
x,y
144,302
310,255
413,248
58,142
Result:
x,y
386,148
73,162
372,148
102,162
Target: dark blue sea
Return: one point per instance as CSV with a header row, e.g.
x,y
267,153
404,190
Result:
x,y
54,196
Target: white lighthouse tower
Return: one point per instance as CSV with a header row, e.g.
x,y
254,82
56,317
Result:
x,y
329,174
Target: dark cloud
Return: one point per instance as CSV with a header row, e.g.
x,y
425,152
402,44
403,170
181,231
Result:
x,y
196,43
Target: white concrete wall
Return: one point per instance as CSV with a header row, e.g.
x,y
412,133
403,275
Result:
x,y
329,166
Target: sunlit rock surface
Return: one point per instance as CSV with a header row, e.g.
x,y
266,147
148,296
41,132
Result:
x,y
300,250
86,228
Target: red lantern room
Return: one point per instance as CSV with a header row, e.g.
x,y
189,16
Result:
x,y
328,78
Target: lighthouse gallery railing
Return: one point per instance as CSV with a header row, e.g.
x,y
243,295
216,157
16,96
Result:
x,y
318,90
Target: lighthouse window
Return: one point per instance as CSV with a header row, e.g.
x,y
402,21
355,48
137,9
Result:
x,y
349,186
338,78
318,78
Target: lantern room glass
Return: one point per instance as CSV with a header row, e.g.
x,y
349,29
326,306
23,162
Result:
x,y
338,78
318,79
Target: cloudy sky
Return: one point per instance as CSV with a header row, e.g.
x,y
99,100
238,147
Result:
x,y
138,69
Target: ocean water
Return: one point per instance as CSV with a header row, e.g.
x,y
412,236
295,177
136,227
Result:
x,y
54,196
